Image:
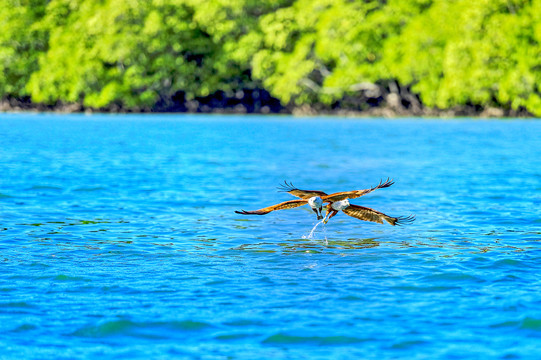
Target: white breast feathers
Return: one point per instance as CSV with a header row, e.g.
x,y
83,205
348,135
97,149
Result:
x,y
315,202
340,205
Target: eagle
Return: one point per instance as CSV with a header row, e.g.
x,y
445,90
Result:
x,y
335,202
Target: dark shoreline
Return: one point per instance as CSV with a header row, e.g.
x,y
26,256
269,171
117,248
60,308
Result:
x,y
383,109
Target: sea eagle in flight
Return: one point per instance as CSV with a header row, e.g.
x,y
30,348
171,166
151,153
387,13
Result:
x,y
316,199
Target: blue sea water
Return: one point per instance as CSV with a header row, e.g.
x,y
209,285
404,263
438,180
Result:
x,y
118,238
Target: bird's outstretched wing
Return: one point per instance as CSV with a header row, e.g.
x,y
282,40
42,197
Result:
x,y
367,214
281,206
303,194
355,193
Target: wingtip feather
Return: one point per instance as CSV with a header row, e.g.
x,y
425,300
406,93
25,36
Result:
x,y
404,220
285,187
387,183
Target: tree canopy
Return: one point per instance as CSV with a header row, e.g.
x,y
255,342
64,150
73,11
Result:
x,y
135,54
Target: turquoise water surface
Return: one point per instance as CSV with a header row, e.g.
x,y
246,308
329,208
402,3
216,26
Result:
x,y
118,238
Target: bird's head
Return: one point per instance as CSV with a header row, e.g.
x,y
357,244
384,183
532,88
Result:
x,y
316,203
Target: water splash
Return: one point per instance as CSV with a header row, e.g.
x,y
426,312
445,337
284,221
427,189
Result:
x,y
311,235
313,232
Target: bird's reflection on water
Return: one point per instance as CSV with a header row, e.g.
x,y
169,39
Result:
x,y
310,245
440,246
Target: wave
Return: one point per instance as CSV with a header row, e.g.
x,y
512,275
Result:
x,y
139,329
283,338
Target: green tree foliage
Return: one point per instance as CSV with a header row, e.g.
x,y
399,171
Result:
x,y
484,52
226,22
124,52
319,50
133,54
20,44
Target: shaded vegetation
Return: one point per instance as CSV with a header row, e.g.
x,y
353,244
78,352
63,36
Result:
x,y
268,55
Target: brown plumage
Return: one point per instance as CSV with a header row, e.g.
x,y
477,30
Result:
x,y
303,194
306,194
358,212
281,206
367,214
313,197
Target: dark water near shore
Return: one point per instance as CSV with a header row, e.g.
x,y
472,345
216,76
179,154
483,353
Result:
x,y
118,239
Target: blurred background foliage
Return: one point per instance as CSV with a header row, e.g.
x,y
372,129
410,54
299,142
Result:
x,y
143,55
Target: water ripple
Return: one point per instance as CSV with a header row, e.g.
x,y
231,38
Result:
x,y
118,238
285,339
139,329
